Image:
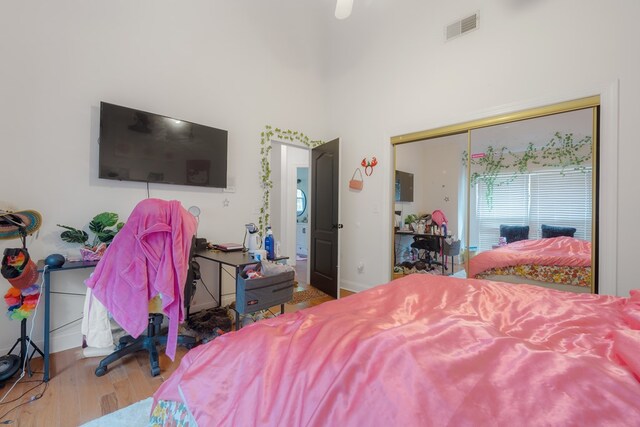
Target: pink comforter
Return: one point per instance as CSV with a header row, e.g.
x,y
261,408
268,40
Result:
x,y
560,251
424,350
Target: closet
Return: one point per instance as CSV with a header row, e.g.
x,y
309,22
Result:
x,y
534,170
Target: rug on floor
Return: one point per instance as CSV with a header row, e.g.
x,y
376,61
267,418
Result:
x,y
306,295
133,415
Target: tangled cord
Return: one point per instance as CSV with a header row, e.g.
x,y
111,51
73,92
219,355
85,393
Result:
x,y
33,399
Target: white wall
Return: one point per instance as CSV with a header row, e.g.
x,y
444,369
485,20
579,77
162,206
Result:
x,y
235,65
401,77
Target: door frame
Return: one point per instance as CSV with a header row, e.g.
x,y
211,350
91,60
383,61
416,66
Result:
x,y
299,140
284,202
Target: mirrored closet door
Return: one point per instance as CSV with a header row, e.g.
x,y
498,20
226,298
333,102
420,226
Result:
x,y
516,194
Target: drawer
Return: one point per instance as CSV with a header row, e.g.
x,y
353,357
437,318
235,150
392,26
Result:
x,y
264,292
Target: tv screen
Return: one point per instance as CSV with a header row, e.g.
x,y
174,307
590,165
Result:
x,y
141,146
404,186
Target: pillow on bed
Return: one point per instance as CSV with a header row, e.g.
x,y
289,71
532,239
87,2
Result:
x,y
513,233
551,231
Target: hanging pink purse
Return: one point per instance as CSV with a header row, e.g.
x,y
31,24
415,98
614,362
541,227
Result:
x,y
354,183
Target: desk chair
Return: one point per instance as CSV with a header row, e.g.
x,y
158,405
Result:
x,y
153,338
428,249
151,254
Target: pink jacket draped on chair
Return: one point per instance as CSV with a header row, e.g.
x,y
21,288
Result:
x,y
150,255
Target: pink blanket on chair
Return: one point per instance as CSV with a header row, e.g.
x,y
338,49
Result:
x,y
424,350
559,251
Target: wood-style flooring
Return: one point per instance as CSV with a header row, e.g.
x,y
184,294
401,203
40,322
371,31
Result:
x,y
74,395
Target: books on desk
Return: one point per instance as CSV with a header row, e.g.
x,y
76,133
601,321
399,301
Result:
x,y
228,247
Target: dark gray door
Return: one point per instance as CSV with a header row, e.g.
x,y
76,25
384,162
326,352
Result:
x,y
323,256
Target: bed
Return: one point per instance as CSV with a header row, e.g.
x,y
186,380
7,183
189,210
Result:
x,y
562,263
421,350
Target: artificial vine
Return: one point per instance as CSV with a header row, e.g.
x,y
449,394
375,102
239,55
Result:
x,y
265,165
560,152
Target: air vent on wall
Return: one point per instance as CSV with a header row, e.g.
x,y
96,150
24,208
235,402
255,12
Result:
x,y
462,26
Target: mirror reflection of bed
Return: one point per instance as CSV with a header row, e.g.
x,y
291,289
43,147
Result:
x,y
531,201
521,201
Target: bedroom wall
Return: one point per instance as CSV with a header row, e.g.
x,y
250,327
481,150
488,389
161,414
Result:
x,y
401,76
232,65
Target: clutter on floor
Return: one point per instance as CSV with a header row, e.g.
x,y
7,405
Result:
x,y
209,323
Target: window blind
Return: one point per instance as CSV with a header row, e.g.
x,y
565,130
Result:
x,y
563,200
542,197
509,205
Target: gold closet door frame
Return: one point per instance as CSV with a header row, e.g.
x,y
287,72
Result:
x,y
592,102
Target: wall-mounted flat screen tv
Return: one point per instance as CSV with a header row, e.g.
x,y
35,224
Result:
x,y
141,146
404,186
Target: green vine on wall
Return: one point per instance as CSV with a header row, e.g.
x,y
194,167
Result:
x,y
266,136
560,152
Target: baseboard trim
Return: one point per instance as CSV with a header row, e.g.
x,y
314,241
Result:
x,y
353,286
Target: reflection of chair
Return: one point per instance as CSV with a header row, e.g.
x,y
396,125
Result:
x,y
150,259
428,249
450,249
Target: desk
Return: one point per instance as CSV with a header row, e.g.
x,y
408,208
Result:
x,y
237,260
411,233
69,265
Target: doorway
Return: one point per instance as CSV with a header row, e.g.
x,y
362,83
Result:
x,y
302,223
321,232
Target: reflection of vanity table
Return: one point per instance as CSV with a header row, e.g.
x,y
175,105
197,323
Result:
x,y
400,233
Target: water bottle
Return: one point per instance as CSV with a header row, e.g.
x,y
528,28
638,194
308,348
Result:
x,y
269,245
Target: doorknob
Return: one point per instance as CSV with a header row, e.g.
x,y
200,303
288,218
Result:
x,y
338,226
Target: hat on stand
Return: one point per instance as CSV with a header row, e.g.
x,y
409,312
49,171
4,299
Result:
x,y
18,268
14,224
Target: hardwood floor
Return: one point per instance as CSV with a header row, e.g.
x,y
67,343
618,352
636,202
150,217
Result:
x,y
74,395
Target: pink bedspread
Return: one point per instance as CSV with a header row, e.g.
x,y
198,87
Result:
x,y
424,350
561,251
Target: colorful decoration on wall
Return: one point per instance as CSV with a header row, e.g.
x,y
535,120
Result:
x,y
368,165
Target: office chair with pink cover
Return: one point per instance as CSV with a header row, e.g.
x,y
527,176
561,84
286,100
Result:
x,y
150,256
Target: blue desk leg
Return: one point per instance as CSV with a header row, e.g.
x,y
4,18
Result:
x,y
47,289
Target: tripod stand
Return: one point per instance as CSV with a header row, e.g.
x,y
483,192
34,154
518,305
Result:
x,y
25,342
11,363
20,271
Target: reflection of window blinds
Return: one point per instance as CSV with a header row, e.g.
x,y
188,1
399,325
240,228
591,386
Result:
x,y
542,197
510,206
563,201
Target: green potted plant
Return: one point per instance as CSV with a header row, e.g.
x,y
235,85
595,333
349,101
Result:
x,y
411,221
104,227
